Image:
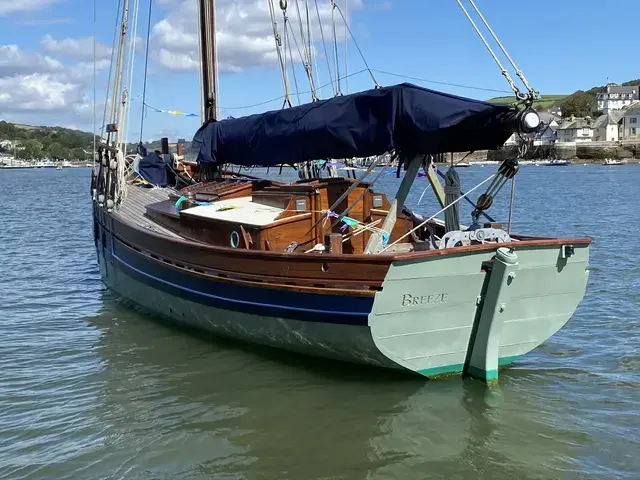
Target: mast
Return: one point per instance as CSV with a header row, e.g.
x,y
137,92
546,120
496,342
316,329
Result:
x,y
118,98
207,12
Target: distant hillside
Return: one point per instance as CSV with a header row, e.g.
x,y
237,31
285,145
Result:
x,y
545,103
36,142
53,142
580,103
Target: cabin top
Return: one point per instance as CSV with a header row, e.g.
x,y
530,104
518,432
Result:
x,y
266,215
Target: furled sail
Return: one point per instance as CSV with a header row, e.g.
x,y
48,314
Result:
x,y
404,117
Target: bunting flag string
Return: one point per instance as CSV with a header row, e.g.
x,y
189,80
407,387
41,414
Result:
x,y
170,112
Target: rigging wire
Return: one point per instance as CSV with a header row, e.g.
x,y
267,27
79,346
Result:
x,y
307,72
278,42
297,48
94,81
304,54
146,66
293,67
324,46
346,42
519,95
470,87
506,54
437,213
283,6
312,51
266,102
356,44
335,47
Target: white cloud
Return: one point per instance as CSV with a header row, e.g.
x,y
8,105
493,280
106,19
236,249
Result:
x,y
39,89
83,71
81,48
244,33
13,6
15,62
37,92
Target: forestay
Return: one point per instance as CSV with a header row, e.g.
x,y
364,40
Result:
x,y
404,117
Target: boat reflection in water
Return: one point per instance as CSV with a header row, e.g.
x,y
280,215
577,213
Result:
x,y
174,406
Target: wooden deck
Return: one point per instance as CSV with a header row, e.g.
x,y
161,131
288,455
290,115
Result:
x,y
133,209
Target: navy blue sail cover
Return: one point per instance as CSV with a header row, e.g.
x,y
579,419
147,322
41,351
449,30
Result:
x,y
404,117
153,169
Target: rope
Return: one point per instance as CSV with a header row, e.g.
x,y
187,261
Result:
x,y
375,82
146,65
505,73
519,73
293,68
376,178
121,185
437,213
306,60
278,41
324,46
304,63
314,57
468,200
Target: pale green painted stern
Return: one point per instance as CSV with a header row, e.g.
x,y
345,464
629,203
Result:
x,y
446,315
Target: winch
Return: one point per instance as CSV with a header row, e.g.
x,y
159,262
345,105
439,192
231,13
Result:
x,y
457,238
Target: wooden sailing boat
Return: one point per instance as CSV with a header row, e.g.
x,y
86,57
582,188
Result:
x,y
328,266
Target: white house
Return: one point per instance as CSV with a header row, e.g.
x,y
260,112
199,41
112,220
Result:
x,y
630,123
617,97
606,127
575,129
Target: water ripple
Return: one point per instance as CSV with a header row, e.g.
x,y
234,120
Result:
x,y
91,389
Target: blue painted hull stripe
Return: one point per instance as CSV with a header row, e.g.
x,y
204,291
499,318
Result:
x,y
151,275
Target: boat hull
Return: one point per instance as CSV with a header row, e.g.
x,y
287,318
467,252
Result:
x,y
342,336
430,312
426,319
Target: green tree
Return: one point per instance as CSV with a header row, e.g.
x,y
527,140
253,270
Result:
x,y
55,150
31,149
7,130
78,154
579,104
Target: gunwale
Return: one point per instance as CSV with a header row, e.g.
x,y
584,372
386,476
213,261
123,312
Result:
x,y
523,241
327,274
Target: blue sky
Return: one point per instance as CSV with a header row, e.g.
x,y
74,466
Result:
x,y
46,65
